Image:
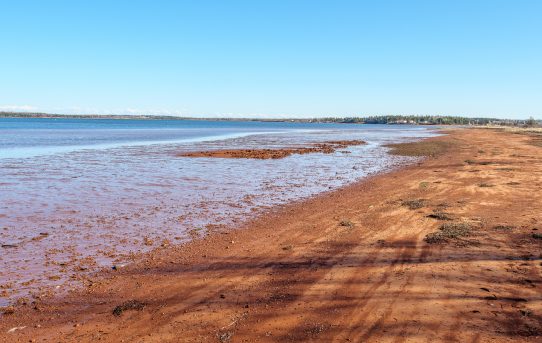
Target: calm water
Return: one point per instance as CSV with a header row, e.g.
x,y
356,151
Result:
x,y
77,195
33,137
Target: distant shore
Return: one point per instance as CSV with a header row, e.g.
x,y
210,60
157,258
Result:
x,y
441,120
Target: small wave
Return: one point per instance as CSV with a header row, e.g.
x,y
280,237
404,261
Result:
x,y
26,152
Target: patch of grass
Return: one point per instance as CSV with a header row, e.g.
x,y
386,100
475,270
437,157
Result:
x,y
513,183
481,163
454,230
430,148
503,227
537,235
424,184
435,238
448,231
346,223
414,204
439,215
483,184
129,305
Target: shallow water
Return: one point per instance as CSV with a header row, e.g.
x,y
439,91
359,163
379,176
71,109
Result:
x,y
78,197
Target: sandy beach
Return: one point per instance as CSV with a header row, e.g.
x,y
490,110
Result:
x,y
448,249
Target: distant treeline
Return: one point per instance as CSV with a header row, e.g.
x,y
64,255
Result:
x,y
426,120
81,116
389,119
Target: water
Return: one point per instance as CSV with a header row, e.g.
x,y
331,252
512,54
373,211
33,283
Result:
x,y
77,195
35,136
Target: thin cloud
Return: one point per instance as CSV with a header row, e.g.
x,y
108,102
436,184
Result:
x,y
116,111
17,108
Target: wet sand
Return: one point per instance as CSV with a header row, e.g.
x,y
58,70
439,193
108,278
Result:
x,y
264,154
64,217
357,264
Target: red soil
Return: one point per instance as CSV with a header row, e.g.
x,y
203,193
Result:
x,y
326,148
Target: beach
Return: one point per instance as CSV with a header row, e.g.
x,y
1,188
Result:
x,y
285,171
81,195
446,249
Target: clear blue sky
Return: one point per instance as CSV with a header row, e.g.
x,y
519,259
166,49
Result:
x,y
273,58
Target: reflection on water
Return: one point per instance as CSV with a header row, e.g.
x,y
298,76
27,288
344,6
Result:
x,y
64,215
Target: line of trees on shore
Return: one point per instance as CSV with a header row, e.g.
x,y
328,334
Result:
x,y
83,116
429,120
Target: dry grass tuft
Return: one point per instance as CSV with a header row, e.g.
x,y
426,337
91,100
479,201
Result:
x,y
503,227
346,223
448,231
481,163
129,305
440,215
414,204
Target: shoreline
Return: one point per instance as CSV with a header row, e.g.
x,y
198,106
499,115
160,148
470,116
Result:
x,y
47,261
346,264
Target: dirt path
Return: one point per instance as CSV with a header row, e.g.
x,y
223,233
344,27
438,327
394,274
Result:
x,y
348,266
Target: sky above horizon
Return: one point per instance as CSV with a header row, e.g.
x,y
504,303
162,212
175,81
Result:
x,y
272,58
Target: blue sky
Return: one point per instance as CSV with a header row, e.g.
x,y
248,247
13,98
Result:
x,y
272,58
